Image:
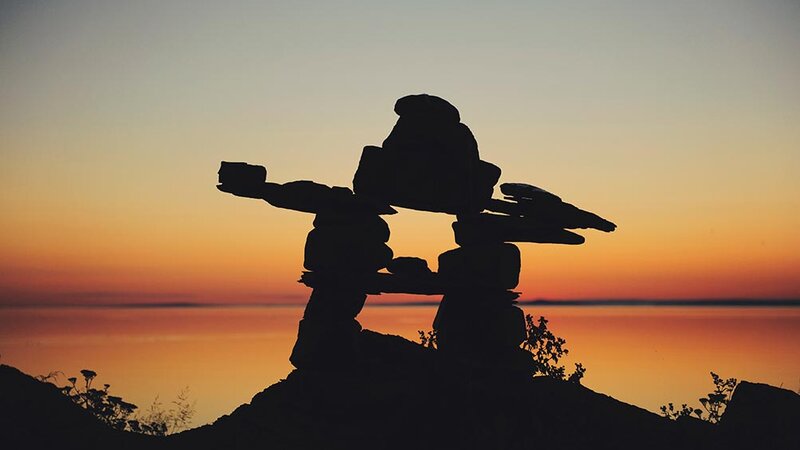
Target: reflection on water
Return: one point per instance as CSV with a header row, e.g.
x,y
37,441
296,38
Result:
x,y
644,356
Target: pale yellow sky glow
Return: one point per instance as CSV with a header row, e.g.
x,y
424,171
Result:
x,y
678,121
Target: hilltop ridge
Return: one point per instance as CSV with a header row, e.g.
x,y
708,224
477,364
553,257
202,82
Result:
x,y
404,396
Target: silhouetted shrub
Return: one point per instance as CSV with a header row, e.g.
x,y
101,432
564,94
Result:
x,y
428,340
670,412
714,403
119,414
545,347
170,421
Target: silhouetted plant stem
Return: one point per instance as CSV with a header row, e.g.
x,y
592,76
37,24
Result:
x,y
714,403
118,414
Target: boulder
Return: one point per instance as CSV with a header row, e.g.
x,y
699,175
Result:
x,y
334,303
453,140
308,196
408,265
551,213
377,283
462,322
303,196
487,265
422,283
536,203
429,161
425,181
761,416
488,228
430,124
356,226
527,191
241,174
37,415
429,107
328,250
326,344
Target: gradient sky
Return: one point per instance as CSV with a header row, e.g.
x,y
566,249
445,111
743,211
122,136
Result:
x,y
679,121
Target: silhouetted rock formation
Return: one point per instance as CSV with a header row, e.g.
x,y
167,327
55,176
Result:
x,y
355,389
483,329
482,228
345,246
36,415
380,283
425,181
348,242
242,175
542,206
488,266
408,265
429,124
430,162
761,416
478,320
342,250
369,227
303,196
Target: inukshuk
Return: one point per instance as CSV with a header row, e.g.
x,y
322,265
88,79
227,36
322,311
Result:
x,y
429,162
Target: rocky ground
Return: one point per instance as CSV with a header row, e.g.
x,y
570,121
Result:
x,y
404,396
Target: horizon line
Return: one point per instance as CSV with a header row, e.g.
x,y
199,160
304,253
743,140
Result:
x,y
697,302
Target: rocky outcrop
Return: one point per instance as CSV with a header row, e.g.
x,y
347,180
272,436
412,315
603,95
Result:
x,y
400,395
36,415
761,416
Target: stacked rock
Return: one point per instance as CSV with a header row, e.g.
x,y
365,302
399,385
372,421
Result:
x,y
347,243
477,319
429,162
342,247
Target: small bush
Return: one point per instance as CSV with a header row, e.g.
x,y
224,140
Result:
x,y
545,347
428,340
119,414
714,403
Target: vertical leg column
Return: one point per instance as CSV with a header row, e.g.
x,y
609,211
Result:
x,y
341,247
477,321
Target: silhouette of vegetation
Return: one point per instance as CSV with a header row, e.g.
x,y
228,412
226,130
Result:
x,y
119,414
547,349
714,403
428,340
169,421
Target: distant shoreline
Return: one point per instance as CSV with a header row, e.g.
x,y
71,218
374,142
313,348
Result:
x,y
589,303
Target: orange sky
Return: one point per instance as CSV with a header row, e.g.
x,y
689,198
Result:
x,y
672,120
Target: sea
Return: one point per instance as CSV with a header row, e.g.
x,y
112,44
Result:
x,y
641,353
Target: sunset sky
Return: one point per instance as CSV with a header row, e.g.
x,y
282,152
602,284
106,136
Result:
x,y
679,121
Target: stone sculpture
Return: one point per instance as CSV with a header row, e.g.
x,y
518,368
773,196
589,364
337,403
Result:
x,y
429,162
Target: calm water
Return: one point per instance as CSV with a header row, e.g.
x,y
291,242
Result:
x,y
644,356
